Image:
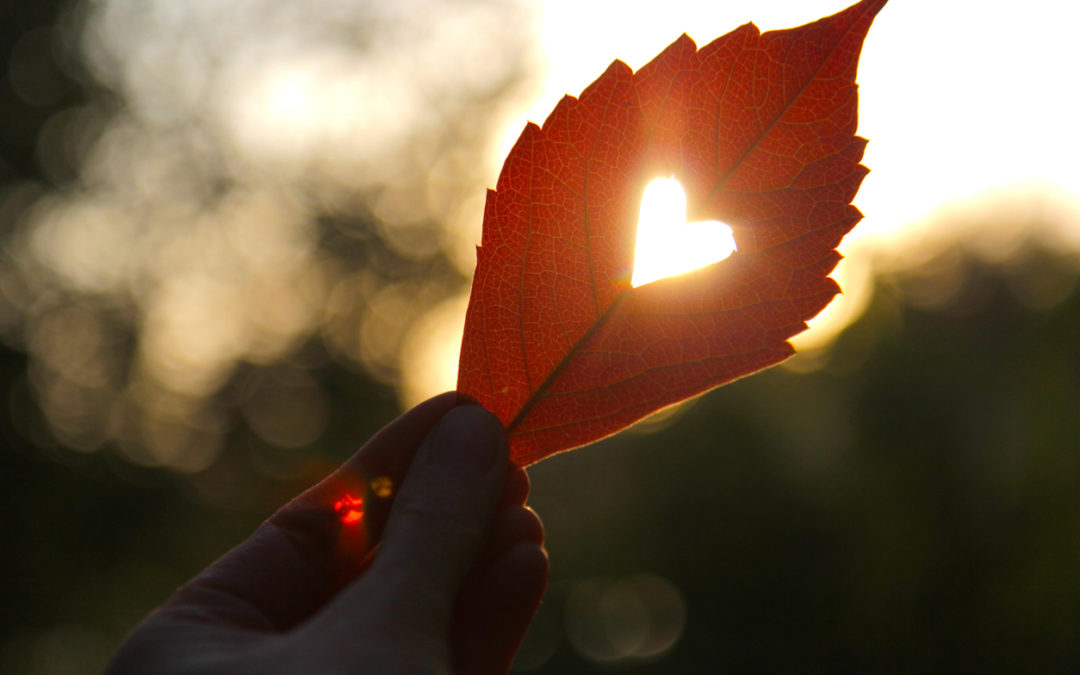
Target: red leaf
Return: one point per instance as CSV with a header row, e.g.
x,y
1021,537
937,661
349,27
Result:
x,y
760,130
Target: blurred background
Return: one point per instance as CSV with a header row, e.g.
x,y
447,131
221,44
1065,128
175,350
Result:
x,y
236,238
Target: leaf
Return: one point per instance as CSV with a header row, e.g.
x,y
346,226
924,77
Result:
x,y
760,131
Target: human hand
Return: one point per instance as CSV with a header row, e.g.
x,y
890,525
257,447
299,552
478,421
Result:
x,y
451,588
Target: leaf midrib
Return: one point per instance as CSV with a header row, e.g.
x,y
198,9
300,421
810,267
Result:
x,y
722,180
602,319
542,390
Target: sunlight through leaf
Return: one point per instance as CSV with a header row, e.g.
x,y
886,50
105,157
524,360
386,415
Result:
x,y
667,244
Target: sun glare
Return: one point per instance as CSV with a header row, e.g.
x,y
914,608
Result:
x,y
905,198
666,244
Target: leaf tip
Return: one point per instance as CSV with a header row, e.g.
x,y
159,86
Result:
x,y
686,40
618,67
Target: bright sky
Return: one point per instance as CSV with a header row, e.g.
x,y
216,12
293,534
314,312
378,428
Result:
x,y
968,105
957,98
963,101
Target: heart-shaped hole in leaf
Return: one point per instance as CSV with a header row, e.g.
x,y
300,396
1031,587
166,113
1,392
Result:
x,y
668,245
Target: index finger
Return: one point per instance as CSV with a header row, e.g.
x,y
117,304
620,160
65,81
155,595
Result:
x,y
299,557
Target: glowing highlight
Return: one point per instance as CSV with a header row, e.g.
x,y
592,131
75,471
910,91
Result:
x,y
349,509
382,487
666,244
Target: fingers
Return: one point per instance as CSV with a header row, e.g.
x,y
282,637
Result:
x,y
295,561
516,489
496,608
385,457
513,525
501,595
440,519
441,527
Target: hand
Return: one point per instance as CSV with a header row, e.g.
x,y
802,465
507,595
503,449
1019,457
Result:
x,y
451,588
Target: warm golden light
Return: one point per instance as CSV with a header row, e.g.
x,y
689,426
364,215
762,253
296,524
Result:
x,y
300,178
908,196
382,487
666,243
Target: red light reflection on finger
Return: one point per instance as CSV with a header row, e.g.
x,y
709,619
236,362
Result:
x,y
350,509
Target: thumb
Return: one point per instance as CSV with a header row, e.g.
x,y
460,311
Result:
x,y
440,519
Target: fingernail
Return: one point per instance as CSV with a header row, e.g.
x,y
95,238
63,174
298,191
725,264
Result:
x,y
467,441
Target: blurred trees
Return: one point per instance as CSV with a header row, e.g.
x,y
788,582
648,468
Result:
x,y
227,184
219,223
911,506
203,309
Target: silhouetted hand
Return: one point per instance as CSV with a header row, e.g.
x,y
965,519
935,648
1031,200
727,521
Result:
x,y
451,588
